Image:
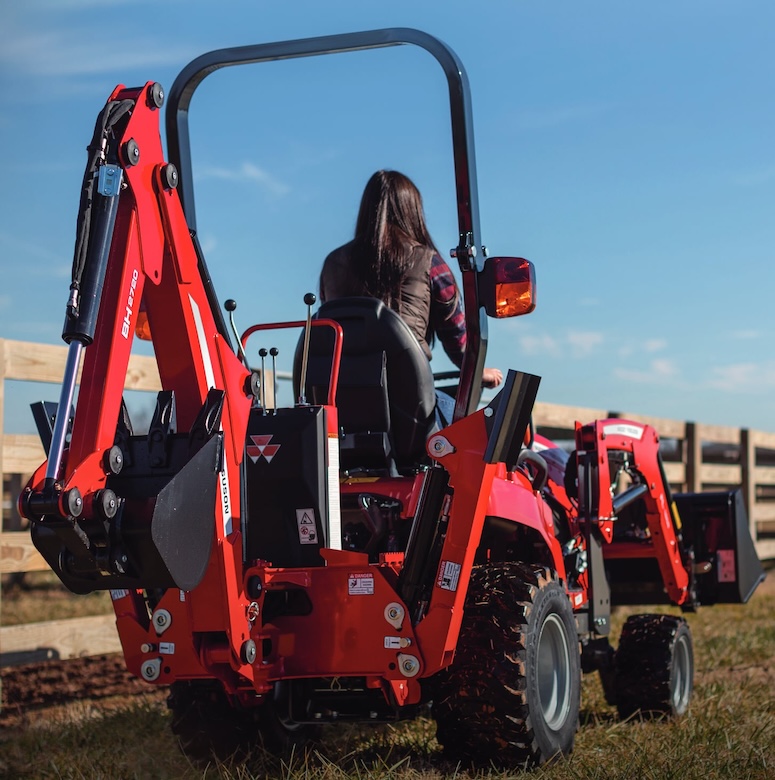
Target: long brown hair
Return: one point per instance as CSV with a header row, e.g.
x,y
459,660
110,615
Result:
x,y
390,225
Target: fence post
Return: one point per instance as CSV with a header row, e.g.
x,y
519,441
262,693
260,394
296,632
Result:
x,y
2,467
2,410
748,469
692,457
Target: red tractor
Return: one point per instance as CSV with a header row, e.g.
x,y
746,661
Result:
x,y
344,559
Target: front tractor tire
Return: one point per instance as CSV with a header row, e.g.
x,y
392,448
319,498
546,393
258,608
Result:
x,y
511,697
654,666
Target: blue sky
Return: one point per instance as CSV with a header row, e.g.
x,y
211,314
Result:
x,y
626,148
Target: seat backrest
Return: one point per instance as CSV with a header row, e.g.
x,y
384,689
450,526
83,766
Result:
x,y
385,379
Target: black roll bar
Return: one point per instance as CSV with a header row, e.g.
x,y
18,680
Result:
x,y
469,238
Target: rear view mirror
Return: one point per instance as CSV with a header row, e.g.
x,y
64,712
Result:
x,y
507,286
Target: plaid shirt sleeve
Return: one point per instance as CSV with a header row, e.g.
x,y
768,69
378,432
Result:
x,y
447,320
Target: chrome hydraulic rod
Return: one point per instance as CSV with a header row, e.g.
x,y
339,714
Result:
x,y
66,395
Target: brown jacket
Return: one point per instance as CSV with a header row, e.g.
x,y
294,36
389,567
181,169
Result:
x,y
338,280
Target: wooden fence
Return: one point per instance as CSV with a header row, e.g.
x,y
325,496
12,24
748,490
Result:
x,y
20,455
697,457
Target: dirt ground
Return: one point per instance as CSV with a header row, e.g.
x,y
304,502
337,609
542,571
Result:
x,y
37,692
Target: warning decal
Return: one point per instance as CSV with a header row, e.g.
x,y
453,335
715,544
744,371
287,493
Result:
x,y
305,519
449,574
360,584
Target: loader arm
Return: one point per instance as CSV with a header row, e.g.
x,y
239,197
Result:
x,y
600,503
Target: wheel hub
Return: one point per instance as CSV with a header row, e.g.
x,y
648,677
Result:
x,y
554,684
681,682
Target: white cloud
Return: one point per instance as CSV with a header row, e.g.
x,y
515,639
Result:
x,y
542,344
583,343
574,344
745,335
649,346
247,171
72,52
744,378
208,243
659,370
654,345
664,367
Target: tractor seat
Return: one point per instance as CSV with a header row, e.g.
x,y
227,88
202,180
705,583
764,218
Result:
x,y
386,396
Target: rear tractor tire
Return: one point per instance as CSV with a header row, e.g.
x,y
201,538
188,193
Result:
x,y
511,697
205,723
208,725
654,666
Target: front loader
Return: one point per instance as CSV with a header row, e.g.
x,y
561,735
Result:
x,y
345,558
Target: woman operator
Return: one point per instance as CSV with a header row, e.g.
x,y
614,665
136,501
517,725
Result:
x,y
392,257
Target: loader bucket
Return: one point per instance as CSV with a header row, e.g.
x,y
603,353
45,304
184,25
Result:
x,y
715,526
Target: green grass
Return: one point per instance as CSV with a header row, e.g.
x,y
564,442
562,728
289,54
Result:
x,y
41,597
728,733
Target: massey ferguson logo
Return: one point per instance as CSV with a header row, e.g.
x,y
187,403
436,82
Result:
x,y
261,447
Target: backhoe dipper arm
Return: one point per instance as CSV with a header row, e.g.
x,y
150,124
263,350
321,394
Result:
x,y
108,491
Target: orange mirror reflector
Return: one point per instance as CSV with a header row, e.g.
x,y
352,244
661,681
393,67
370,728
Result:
x,y
510,289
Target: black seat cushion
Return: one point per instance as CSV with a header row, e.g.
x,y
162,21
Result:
x,y
385,380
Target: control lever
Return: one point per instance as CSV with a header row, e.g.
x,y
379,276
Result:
x,y
310,300
274,352
262,354
231,305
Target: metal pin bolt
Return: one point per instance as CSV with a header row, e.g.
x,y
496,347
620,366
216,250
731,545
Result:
x,y
151,669
162,620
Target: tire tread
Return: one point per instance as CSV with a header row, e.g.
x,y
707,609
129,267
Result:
x,y
481,702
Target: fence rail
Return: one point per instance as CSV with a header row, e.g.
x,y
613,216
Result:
x,y
697,457
20,455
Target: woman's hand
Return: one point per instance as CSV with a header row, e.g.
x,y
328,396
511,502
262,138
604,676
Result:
x,y
491,377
